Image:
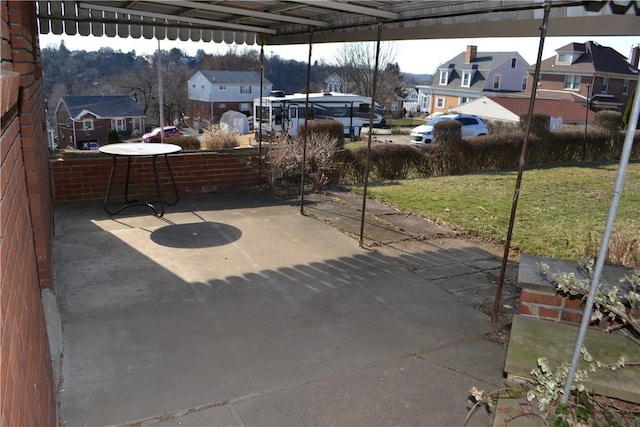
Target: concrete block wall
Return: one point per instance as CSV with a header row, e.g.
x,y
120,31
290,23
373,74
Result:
x,y
85,176
27,386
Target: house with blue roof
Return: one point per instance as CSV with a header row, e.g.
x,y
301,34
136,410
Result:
x,y
82,122
470,75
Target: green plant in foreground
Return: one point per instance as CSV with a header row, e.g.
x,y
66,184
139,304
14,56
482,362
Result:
x,y
618,304
546,386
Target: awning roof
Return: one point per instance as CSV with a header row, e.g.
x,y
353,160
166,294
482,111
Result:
x,y
289,22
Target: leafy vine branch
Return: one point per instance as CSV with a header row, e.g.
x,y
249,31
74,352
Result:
x,y
617,303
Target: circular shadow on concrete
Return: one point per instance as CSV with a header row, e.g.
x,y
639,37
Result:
x,y
196,235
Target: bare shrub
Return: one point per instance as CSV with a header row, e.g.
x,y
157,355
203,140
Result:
x,y
447,132
332,128
285,157
497,127
390,162
188,143
623,249
609,120
539,123
215,138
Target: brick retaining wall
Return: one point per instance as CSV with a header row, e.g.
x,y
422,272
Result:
x,y
539,297
84,176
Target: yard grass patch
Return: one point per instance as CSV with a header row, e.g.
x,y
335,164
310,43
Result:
x,y
561,213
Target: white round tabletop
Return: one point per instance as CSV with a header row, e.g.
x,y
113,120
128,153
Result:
x,y
139,149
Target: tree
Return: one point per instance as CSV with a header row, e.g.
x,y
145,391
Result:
x,y
356,63
233,60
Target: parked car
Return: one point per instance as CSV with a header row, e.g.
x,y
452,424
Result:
x,y
90,146
154,135
470,126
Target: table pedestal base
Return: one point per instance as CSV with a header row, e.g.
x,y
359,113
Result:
x,y
135,202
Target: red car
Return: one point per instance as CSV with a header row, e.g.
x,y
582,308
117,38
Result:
x,y
154,135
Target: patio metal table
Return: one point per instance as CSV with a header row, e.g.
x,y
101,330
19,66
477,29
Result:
x,y
131,150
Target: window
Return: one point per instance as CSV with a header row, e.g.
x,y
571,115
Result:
x,y
466,78
625,87
464,99
605,85
245,106
564,58
524,83
363,108
571,82
444,77
245,89
514,62
223,105
87,124
439,102
119,124
496,82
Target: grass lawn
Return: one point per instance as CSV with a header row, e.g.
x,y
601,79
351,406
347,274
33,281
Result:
x,y
561,212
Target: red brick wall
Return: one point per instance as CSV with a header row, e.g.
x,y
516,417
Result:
x,y
550,306
84,176
27,389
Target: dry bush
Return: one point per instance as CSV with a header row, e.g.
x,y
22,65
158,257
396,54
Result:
x,y
539,123
188,143
215,138
610,121
332,128
284,160
447,132
623,249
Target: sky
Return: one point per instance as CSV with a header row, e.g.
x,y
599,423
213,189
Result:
x,y
413,56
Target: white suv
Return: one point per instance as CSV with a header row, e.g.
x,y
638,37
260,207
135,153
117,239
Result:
x,y
470,126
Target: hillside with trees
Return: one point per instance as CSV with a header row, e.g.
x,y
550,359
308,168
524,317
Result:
x,y
109,72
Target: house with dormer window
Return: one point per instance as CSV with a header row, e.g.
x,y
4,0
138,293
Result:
x,y
590,74
470,75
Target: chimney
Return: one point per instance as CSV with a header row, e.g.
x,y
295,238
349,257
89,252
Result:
x,y
472,52
635,56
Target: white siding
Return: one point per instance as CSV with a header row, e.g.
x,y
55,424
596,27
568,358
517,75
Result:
x,y
199,88
510,78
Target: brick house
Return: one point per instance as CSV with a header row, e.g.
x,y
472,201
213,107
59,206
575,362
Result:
x,y
588,73
470,75
84,119
212,93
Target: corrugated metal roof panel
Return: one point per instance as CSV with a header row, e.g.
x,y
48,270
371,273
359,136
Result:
x,y
289,22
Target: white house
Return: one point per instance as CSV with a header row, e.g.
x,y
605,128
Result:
x,y
212,93
410,103
335,83
472,74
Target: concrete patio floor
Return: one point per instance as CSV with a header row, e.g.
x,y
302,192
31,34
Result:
x,y
235,310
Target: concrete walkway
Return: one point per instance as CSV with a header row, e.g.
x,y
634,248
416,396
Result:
x,y
239,311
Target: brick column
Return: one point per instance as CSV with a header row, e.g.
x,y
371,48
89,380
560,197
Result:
x,y
27,387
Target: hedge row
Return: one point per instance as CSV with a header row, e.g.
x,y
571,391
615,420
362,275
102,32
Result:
x,y
484,153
